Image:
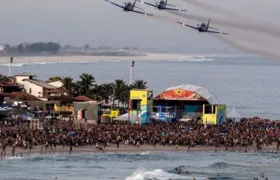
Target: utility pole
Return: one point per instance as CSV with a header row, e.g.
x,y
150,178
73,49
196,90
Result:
x,y
131,72
130,82
11,61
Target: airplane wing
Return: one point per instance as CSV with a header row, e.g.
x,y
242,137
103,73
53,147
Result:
x,y
216,32
175,9
187,25
142,13
147,3
115,4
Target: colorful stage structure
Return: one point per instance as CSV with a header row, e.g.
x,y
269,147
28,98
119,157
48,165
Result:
x,y
188,100
140,106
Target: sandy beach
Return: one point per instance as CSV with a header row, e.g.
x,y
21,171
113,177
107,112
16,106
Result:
x,y
53,59
122,149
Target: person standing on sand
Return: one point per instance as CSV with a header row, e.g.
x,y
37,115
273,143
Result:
x,y
13,150
46,145
71,143
4,145
105,143
118,143
154,142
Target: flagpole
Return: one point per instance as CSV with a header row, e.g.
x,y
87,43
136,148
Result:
x,y
130,82
131,71
11,61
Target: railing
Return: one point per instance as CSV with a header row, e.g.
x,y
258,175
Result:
x,y
63,109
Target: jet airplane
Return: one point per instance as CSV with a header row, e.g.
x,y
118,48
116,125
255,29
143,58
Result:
x,y
162,5
203,27
129,7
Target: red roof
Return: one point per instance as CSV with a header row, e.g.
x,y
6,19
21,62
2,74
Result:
x,y
20,96
83,98
8,84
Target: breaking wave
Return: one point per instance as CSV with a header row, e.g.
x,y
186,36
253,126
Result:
x,y
14,65
219,165
192,59
16,157
145,153
157,174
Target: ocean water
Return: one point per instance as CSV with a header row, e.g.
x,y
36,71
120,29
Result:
x,y
249,83
142,166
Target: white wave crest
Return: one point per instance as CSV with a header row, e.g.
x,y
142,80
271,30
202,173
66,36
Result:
x,y
200,59
14,65
159,174
15,157
145,153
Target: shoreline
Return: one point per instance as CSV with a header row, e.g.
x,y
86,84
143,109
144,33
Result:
x,y
79,58
20,152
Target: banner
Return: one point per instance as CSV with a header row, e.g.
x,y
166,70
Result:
x,y
179,94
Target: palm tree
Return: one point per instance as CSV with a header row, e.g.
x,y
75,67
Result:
x,y
139,84
108,90
119,87
103,92
5,78
55,78
68,85
85,84
125,93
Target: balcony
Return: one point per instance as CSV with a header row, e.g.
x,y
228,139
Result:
x,y
63,108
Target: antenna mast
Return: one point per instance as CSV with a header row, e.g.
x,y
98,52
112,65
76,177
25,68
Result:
x,y
11,61
131,72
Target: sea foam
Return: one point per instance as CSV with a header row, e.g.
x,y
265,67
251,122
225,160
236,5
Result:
x,y
141,174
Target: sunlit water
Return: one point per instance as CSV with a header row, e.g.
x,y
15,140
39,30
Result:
x,y
249,83
142,166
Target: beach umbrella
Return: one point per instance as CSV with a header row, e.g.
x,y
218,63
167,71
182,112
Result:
x,y
72,134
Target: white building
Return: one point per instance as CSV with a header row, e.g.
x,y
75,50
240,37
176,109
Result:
x,y
38,88
57,84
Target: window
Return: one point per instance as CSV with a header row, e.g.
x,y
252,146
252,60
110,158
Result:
x,y
208,109
214,109
30,90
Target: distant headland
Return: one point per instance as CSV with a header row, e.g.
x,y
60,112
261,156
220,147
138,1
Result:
x,y
55,49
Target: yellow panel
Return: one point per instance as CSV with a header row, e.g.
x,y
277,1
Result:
x,y
140,95
209,119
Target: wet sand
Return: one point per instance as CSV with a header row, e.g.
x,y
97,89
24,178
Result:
x,y
112,148
53,59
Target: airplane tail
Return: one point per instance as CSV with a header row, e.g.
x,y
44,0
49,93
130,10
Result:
x,y
212,28
170,5
134,3
208,23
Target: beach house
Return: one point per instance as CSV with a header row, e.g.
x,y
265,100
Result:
x,y
38,88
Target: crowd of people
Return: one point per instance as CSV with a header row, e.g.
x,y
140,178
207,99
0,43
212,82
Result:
x,y
252,132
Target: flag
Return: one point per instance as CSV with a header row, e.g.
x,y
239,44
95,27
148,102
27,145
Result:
x,y
11,60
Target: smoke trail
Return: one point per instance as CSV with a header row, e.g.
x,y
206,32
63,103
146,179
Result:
x,y
253,44
165,18
217,9
248,48
228,23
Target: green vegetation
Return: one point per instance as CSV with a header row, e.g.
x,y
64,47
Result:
x,y
86,86
33,48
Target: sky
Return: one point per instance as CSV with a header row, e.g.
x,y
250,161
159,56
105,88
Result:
x,y
98,23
